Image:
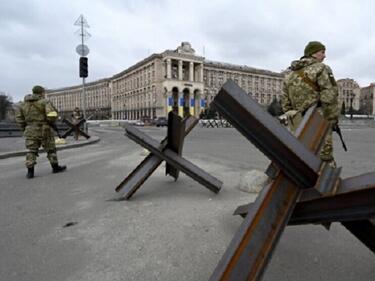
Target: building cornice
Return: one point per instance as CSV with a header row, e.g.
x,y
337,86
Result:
x,y
137,65
176,55
348,80
76,87
242,68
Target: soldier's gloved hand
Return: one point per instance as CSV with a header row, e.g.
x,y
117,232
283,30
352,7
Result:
x,y
334,124
291,113
283,119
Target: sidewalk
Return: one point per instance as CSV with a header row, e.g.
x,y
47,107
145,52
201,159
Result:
x,y
15,146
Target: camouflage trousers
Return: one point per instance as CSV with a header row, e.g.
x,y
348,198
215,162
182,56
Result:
x,y
35,138
326,152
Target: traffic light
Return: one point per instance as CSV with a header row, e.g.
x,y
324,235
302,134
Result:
x,y
83,67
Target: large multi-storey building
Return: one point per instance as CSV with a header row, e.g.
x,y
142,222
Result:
x,y
177,80
97,96
349,93
367,102
172,80
263,85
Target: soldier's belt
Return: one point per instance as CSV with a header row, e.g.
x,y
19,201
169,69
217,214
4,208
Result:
x,y
36,124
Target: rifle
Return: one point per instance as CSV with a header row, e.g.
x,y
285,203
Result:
x,y
337,129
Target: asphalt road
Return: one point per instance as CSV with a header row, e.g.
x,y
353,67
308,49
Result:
x,y
69,226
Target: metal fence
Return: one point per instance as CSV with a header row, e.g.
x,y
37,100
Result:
x,y
10,129
214,123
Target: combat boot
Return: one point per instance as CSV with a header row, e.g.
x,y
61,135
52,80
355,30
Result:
x,y
57,169
30,173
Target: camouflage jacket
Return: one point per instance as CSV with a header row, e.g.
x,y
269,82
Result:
x,y
35,110
77,115
310,81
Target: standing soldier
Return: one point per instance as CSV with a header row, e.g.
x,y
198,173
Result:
x,y
311,82
34,117
76,115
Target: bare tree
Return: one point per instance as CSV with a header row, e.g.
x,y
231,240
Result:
x,y
5,104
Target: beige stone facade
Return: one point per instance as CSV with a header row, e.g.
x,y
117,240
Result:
x,y
367,101
98,99
183,81
160,83
262,85
135,90
177,80
349,91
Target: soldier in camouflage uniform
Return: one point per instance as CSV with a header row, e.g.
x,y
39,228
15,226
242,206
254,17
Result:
x,y
76,115
311,82
34,118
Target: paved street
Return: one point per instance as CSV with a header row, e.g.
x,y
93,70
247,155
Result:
x,y
169,230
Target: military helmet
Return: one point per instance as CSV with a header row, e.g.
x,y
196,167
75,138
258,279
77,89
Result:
x,y
38,90
313,47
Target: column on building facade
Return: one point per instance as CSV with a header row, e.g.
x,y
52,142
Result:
x,y
356,98
169,69
132,107
197,103
168,102
181,103
180,70
200,73
191,71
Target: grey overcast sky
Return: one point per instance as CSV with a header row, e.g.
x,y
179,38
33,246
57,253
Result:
x,y
38,41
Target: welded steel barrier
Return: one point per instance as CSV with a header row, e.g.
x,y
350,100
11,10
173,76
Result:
x,y
169,150
303,188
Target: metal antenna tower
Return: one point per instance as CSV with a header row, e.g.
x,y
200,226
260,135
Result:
x,y
83,51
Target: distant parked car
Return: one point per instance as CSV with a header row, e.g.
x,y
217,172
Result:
x,y
161,121
139,123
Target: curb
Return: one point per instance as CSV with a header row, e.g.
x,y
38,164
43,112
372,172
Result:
x,y
92,140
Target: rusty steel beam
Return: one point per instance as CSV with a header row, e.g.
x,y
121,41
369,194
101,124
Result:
x,y
347,185
328,181
176,135
358,216
364,230
138,176
242,210
350,206
252,246
174,159
356,193
355,183
75,128
142,172
272,170
353,200
70,130
266,133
